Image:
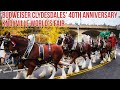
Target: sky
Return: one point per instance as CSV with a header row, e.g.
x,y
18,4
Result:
x,y
89,21
97,21
100,21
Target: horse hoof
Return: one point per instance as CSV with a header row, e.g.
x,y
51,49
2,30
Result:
x,y
63,77
102,62
51,78
14,78
33,78
28,77
41,76
93,61
89,68
77,70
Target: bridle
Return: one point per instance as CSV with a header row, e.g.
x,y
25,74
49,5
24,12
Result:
x,y
8,40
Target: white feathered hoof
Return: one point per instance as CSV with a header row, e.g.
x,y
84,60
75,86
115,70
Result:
x,y
63,77
102,62
84,64
109,59
80,63
50,70
94,60
53,74
90,65
24,73
97,57
17,76
70,70
63,74
77,68
32,77
28,77
115,55
51,78
41,75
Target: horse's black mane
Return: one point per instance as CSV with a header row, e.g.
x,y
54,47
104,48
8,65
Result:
x,y
20,38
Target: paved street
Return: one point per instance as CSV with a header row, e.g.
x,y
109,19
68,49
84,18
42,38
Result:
x,y
109,71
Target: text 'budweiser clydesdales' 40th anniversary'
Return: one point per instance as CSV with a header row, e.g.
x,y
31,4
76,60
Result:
x,y
49,18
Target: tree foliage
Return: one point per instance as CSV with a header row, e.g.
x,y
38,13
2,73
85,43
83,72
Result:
x,y
47,34
51,33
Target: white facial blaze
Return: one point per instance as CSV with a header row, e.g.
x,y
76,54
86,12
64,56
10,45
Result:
x,y
2,45
99,42
2,52
74,44
88,39
31,37
62,41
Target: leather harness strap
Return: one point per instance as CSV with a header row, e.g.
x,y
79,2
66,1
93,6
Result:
x,y
41,51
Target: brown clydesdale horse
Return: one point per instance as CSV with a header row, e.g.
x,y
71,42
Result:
x,y
106,50
2,52
74,51
40,54
60,43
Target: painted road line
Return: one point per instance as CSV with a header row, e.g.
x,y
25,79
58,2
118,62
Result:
x,y
83,71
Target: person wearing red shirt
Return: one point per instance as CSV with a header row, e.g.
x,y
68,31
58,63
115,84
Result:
x,y
113,40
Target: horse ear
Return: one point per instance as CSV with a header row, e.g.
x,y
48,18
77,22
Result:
x,y
8,33
4,33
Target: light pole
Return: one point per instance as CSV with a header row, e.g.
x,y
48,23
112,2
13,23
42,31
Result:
x,y
78,26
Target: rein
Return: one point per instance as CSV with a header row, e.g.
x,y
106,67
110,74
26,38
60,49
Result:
x,y
18,52
22,50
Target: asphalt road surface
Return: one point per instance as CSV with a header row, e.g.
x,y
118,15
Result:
x,y
109,71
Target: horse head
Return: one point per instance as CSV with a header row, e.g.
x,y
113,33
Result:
x,y
2,52
1,39
68,42
60,40
12,43
100,42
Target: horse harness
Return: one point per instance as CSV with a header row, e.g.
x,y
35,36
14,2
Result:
x,y
81,45
42,53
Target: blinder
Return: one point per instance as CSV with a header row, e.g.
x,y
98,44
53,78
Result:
x,y
7,42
